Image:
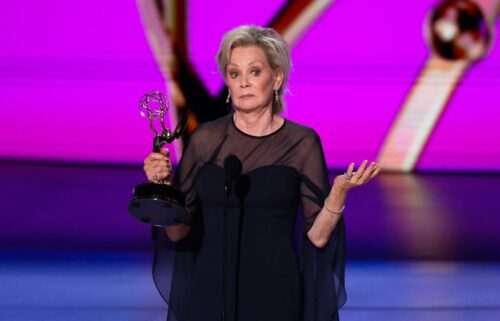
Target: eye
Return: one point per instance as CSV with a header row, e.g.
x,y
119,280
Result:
x,y
256,72
233,74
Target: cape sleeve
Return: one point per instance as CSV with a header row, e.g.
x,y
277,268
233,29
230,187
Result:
x,y
173,261
323,269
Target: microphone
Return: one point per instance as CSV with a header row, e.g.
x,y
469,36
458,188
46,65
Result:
x,y
232,167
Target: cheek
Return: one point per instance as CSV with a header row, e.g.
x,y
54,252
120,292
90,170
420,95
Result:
x,y
231,85
265,86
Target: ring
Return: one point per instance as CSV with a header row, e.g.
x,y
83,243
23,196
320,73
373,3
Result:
x,y
155,177
346,176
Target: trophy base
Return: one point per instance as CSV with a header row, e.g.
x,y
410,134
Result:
x,y
158,204
156,212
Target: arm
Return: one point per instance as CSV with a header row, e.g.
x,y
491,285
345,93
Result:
x,y
158,167
177,232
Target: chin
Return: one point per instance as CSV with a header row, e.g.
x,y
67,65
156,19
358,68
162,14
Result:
x,y
246,107
249,106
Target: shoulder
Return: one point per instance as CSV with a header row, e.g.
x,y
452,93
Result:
x,y
205,138
302,132
215,124
210,131
309,150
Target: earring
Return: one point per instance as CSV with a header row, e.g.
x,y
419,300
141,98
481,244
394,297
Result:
x,y
276,95
228,97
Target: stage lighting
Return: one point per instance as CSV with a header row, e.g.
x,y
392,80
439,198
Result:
x,y
458,30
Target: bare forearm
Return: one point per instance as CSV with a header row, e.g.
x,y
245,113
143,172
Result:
x,y
177,232
325,222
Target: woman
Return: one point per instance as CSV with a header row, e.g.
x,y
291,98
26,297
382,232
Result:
x,y
283,169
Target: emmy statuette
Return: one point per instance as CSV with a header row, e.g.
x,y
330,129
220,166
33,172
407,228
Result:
x,y
159,204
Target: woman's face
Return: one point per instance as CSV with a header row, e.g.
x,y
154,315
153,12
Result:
x,y
251,79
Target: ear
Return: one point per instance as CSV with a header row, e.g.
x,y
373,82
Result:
x,y
278,79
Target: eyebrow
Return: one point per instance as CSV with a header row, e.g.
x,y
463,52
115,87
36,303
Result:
x,y
250,63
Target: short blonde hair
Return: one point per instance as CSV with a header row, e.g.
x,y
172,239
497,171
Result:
x,y
270,41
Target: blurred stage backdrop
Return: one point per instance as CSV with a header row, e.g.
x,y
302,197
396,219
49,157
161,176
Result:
x,y
71,75
365,78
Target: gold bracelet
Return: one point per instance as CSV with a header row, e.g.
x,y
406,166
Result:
x,y
331,210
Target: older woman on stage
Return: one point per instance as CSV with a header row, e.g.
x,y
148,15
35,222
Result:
x,y
283,174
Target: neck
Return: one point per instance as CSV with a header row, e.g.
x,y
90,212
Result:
x,y
257,123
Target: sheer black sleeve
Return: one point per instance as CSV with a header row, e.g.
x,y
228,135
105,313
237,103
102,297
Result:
x,y
323,268
174,261
186,170
314,187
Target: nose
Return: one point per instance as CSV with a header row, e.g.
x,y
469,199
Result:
x,y
244,81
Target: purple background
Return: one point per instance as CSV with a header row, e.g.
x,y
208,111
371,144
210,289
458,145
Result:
x,y
71,75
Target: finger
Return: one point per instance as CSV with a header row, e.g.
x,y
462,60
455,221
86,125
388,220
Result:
x,y
164,169
152,177
157,163
165,152
350,170
157,176
149,169
376,171
157,157
368,172
360,170
162,175
160,169
153,159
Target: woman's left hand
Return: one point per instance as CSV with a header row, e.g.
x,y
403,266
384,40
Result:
x,y
351,178
334,205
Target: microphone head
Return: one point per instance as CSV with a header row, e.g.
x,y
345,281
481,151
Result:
x,y
232,167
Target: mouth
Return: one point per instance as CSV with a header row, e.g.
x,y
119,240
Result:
x,y
246,96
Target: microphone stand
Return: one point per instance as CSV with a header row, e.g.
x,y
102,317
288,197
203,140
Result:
x,y
232,169
227,190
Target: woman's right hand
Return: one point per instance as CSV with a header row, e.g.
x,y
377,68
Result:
x,y
158,167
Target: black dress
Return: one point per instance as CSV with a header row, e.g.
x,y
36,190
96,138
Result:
x,y
274,272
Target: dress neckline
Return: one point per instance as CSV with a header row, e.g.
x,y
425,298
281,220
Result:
x,y
257,137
